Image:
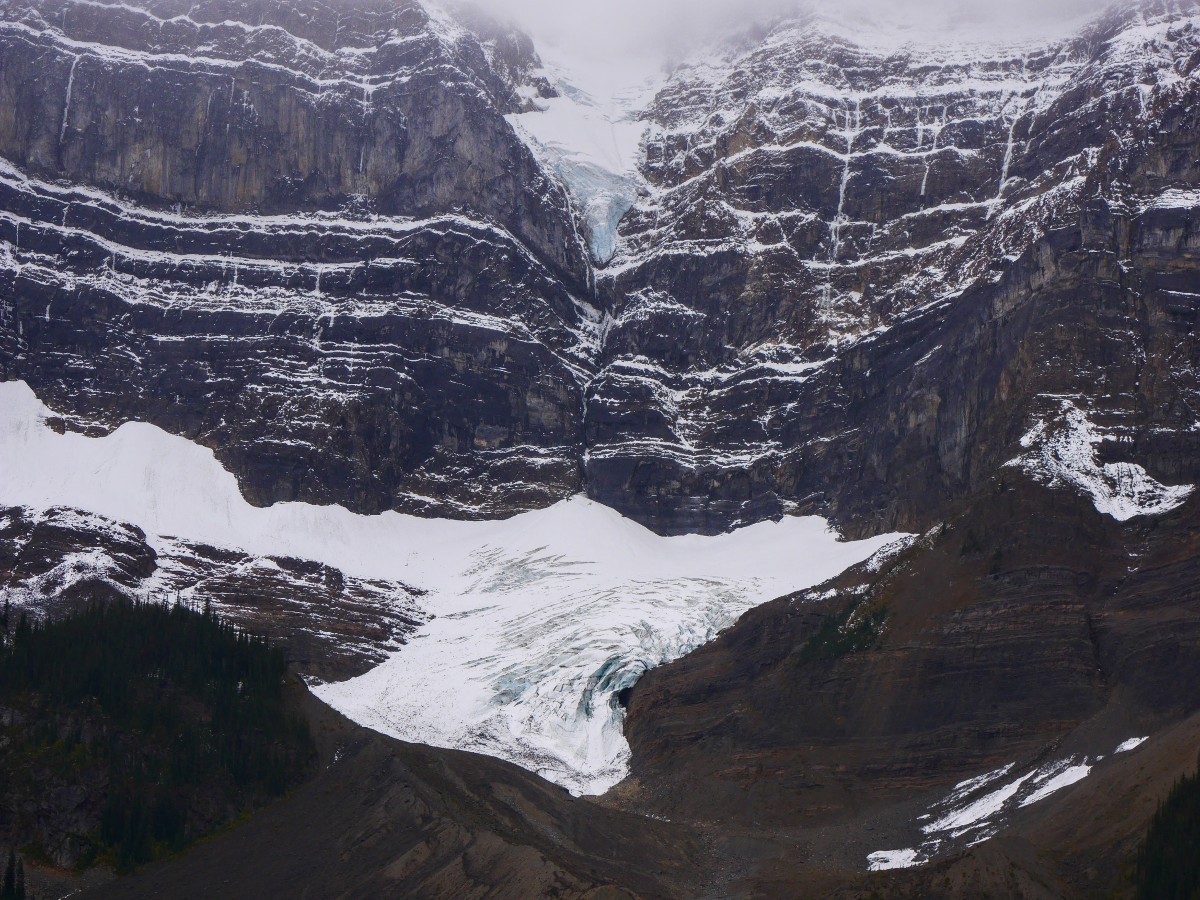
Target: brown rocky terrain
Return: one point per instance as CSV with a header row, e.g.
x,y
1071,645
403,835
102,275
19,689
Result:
x,y
387,819
1024,628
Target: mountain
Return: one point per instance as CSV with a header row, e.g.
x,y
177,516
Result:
x,y
328,314
179,166
845,290
428,332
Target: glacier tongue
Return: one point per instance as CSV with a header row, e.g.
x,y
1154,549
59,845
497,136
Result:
x,y
540,620
594,146
542,623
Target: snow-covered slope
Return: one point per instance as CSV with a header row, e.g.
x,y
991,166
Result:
x,y
595,151
539,620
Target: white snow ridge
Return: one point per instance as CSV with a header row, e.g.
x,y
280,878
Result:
x,y
539,620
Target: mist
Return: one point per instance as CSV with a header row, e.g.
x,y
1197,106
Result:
x,y
631,38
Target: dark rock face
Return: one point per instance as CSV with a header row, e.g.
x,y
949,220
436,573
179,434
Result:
x,y
309,239
332,625
859,271
306,238
274,108
1025,620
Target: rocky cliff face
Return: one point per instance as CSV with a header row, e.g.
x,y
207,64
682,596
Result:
x,y
937,286
860,272
860,266
305,237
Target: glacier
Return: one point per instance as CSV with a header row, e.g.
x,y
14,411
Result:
x,y
594,146
539,622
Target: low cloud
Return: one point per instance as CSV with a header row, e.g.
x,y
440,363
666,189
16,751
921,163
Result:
x,y
619,30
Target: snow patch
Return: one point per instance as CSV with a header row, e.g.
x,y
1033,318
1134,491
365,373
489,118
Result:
x,y
972,815
975,811
1056,781
1062,453
964,788
1174,198
882,860
1131,744
540,621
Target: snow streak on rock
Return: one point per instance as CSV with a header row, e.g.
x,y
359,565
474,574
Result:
x,y
539,621
976,810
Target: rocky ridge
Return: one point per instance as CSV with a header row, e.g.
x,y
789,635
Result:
x,y
304,236
332,626
839,280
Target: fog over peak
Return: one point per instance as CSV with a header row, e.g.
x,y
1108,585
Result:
x,y
617,43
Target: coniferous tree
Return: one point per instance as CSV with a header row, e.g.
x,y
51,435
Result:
x,y
10,877
191,710
1168,864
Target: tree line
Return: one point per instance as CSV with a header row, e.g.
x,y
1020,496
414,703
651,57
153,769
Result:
x,y
183,715
1168,863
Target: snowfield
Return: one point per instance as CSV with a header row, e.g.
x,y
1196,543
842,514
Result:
x,y
540,621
